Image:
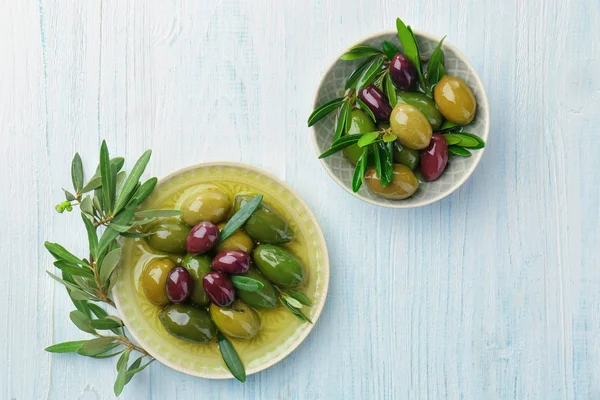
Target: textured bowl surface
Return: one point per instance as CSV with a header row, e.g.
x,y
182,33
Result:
x,y
459,168
281,332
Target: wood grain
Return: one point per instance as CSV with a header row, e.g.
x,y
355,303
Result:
x,y
492,293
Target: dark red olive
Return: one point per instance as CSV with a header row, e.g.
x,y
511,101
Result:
x,y
219,288
403,72
377,102
179,285
434,158
202,238
231,262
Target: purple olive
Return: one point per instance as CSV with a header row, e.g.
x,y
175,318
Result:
x,y
219,288
179,285
403,72
377,102
202,238
231,262
434,158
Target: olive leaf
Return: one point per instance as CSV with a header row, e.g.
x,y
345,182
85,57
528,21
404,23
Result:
x,y
324,109
341,144
448,126
389,137
240,217
86,206
157,213
370,73
357,73
246,283
231,358
97,346
68,195
435,68
389,49
458,151
121,178
132,180
367,138
359,170
411,50
122,218
390,90
93,184
108,179
387,162
142,192
366,109
451,139
77,173
106,323
134,369
469,139
65,347
377,157
73,270
292,301
299,297
121,380
109,264
359,52
81,321
294,310
343,116
92,235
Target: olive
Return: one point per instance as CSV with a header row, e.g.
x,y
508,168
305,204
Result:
x,y
202,238
197,266
405,156
403,72
231,262
265,225
188,323
403,185
169,235
154,280
239,240
263,298
278,265
376,101
411,126
219,288
455,100
424,104
208,205
179,285
360,123
238,321
434,158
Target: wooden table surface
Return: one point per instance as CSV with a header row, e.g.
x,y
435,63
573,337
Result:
x,y
491,293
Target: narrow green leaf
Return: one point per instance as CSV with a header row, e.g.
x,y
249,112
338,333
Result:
x,y
75,270
135,235
73,287
480,143
389,137
97,346
451,139
98,311
353,78
79,300
359,52
121,228
341,144
86,205
92,236
324,109
65,347
97,205
109,264
121,178
295,311
108,182
387,162
81,321
105,324
132,371
60,253
157,213
134,365
458,151
389,49
377,157
367,139
411,50
68,195
390,90
466,141
359,170
132,180
94,183
299,297
370,73
143,192
240,217
77,173
435,68
122,218
292,302
231,358
343,115
366,109
246,283
108,355
123,360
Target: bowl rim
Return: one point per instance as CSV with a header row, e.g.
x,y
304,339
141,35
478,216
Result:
x,y
477,157
318,307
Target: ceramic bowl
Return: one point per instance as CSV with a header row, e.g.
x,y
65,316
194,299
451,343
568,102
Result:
x,y
281,332
459,168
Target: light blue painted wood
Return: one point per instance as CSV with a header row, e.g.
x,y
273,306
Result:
x,y
492,293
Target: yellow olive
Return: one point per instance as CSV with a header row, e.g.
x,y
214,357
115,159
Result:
x,y
411,126
208,205
238,321
403,185
238,241
455,100
154,280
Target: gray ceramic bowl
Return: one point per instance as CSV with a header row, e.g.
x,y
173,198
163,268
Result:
x,y
459,168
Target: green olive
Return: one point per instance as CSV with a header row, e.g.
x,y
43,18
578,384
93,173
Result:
x,y
278,265
188,323
411,126
360,123
265,225
154,280
424,104
405,156
238,321
197,266
455,100
263,298
169,235
403,185
238,241
207,205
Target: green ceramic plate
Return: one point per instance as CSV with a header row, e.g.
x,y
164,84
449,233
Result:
x,y
281,332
